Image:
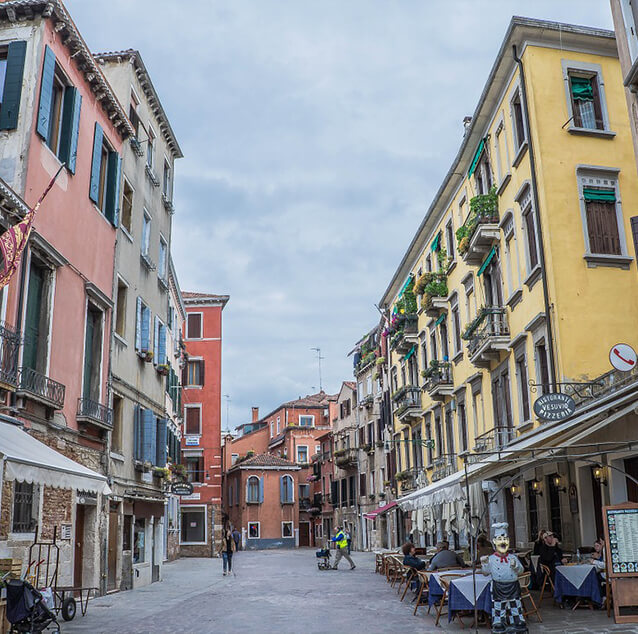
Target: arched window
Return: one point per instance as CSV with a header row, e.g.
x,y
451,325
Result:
x,y
286,489
254,490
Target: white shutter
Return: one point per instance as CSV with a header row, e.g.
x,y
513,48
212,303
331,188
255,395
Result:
x,y
138,324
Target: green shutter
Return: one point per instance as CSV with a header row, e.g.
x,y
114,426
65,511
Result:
x,y
149,436
581,89
88,355
599,195
440,320
160,459
407,356
435,243
12,90
486,262
476,158
46,93
32,320
113,188
94,188
70,127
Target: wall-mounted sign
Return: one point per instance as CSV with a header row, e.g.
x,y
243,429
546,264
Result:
x,y
192,441
554,406
89,498
623,357
65,531
182,488
194,496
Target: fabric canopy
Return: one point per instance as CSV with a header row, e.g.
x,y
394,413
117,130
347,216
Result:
x,y
582,89
435,243
29,460
378,511
412,350
476,158
449,489
440,320
486,262
599,195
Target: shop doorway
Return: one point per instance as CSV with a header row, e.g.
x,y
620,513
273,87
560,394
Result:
x,y
631,469
597,499
112,556
79,545
304,534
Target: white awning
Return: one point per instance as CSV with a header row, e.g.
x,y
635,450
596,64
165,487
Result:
x,y
449,489
29,460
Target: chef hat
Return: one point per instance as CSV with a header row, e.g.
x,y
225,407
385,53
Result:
x,y
501,529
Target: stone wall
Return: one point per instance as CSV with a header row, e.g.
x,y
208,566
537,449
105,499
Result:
x,y
213,537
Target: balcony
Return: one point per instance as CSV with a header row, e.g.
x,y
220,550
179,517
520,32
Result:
x,y
146,260
346,458
443,466
367,401
491,441
9,347
480,231
438,380
412,479
408,403
151,175
406,335
40,388
487,335
136,146
94,413
168,203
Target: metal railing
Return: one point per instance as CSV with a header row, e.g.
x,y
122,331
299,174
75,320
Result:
x,y
9,347
410,398
95,412
492,440
347,458
443,466
439,374
493,323
42,387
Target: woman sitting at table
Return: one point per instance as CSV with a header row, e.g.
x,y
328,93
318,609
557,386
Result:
x,y
550,553
539,541
597,558
410,559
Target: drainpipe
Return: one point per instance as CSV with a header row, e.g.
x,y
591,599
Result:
x,y
541,245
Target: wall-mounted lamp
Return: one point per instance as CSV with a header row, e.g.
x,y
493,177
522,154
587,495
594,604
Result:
x,y
536,487
556,479
600,473
515,490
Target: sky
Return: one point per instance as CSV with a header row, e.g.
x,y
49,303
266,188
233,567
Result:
x,y
315,134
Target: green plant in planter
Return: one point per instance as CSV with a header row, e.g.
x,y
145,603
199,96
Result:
x,y
437,288
380,360
432,370
339,452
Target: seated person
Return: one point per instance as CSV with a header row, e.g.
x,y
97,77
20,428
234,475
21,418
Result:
x,y
550,553
539,541
597,558
484,547
410,559
445,558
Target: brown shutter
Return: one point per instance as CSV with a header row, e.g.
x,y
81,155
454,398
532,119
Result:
x,y
362,484
531,239
634,233
602,227
201,372
598,111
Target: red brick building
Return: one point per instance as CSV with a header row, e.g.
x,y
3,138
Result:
x,y
262,501
322,511
201,513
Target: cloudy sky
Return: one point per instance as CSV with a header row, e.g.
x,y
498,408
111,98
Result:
x,y
315,134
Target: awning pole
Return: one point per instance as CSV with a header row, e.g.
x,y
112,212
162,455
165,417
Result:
x,y
472,540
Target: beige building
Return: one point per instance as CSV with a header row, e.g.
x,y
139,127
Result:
x,y
141,359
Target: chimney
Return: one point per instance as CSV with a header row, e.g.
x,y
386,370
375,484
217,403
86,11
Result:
x,y
255,414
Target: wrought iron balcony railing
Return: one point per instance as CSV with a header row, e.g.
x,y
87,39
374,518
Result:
x,y
346,457
94,412
438,378
491,440
41,388
443,466
492,325
9,347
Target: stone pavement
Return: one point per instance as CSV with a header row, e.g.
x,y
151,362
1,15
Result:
x,y
284,592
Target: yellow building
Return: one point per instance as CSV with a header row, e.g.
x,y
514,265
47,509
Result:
x,y
519,281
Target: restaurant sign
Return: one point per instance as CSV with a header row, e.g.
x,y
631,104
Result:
x,y
554,406
182,488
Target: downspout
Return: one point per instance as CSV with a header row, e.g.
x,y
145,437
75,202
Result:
x,y
541,245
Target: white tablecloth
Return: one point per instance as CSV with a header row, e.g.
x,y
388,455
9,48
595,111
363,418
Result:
x,y
576,575
465,585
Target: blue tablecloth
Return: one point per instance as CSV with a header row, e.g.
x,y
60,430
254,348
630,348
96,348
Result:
x,y
457,601
435,591
589,589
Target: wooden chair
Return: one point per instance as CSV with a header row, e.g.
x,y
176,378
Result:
x,y
394,570
378,562
547,579
445,580
410,574
524,581
424,580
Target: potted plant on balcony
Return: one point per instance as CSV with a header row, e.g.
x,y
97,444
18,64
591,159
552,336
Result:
x,y
339,452
145,355
162,368
403,476
432,370
379,444
179,471
371,496
161,472
366,447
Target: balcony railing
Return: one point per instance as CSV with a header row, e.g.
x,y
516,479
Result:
x,y
94,412
41,388
491,440
412,479
9,347
346,457
443,466
406,335
487,335
480,231
438,379
409,403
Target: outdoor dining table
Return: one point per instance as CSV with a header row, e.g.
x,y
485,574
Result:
x,y
461,594
435,590
578,580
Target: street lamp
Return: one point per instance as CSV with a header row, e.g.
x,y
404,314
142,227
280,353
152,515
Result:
x,y
600,473
515,490
536,487
556,479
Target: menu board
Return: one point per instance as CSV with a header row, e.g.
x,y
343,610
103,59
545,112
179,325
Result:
x,y
623,539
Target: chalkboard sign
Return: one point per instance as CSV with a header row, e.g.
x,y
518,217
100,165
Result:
x,y
621,543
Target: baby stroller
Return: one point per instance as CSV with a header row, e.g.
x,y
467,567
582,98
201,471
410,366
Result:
x,y
26,609
323,559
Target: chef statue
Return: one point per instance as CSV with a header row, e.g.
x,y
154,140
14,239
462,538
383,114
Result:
x,y
507,608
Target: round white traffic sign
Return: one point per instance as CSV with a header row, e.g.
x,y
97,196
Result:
x,y
623,357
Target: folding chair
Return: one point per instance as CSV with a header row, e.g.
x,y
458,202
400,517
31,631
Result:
x,y
423,580
524,581
547,579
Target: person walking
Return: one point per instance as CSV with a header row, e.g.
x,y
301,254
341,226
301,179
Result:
x,y
236,538
341,541
227,549
349,540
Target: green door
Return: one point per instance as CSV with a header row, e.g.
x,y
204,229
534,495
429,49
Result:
x,y
32,321
88,355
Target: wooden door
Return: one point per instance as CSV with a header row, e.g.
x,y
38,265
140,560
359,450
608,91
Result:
x,y
79,545
304,533
112,557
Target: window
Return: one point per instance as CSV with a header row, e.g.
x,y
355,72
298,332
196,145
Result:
x,y
193,525
92,374
163,256
532,511
518,121
318,531
24,507
116,434
302,454
194,326
127,529
150,147
194,373
304,491
254,490
542,368
278,423
3,72
160,357
585,101
483,174
253,530
272,429
634,233
193,415
143,327
287,530
146,233
502,404
456,326
306,421
133,115
11,75
194,468
166,180
417,448
104,187
286,493
369,384
372,486
529,228
449,430
462,416
126,218
233,458
501,152
478,413
449,238
428,436
317,449
120,304
139,541
523,390
602,221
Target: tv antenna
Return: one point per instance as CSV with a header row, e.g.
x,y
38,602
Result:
x,y
319,357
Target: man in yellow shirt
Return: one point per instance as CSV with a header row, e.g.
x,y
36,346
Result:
x,y
341,542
